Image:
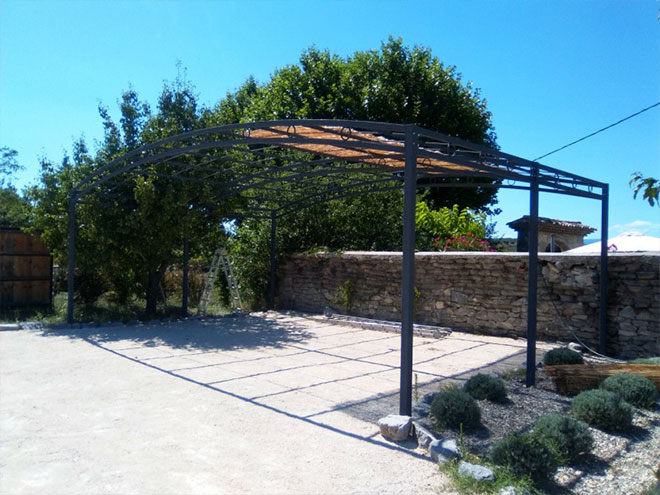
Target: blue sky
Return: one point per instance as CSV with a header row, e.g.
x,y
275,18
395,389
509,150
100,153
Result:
x,y
551,72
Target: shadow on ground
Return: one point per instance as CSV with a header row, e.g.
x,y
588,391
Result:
x,y
221,333
256,331
372,408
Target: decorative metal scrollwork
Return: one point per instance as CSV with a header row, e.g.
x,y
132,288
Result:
x,y
291,133
346,133
510,169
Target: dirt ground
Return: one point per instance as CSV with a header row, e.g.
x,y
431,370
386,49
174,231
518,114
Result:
x,y
263,403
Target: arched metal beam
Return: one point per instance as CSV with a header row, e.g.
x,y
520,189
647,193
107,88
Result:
x,y
395,142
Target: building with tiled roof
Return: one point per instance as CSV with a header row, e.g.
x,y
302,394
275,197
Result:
x,y
554,235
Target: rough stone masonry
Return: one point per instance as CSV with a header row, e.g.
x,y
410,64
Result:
x,y
487,293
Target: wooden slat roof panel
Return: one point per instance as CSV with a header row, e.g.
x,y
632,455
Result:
x,y
352,145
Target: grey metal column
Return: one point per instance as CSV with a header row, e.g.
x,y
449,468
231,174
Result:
x,y
532,275
185,283
71,268
273,262
603,270
408,272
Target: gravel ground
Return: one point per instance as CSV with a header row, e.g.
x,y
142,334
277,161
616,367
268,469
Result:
x,y
620,464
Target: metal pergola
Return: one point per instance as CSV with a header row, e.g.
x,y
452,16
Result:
x,y
275,167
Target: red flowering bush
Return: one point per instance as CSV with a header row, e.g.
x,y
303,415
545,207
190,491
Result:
x,y
467,242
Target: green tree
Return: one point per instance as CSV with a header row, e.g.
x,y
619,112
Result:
x,y
394,84
131,232
436,227
14,209
649,185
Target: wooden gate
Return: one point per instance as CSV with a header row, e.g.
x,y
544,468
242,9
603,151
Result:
x,y
26,270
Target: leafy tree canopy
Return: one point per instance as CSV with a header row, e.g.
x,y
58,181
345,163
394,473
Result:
x,y
14,209
649,186
394,84
130,234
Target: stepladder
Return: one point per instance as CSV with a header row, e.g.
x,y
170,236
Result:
x,y
220,260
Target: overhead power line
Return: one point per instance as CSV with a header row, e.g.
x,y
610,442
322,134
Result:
x,y
598,131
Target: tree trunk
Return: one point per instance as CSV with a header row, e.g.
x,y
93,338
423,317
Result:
x,y
153,289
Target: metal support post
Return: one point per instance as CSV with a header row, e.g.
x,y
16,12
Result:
x,y
71,268
408,272
532,275
603,271
186,262
273,262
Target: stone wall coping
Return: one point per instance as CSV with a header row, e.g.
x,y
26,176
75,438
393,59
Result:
x,y
382,254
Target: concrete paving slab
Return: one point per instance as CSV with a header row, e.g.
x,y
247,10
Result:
x,y
264,403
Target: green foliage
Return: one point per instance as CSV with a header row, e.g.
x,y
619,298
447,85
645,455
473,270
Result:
x,y
602,409
562,355
649,185
453,408
14,209
524,455
436,227
129,235
347,224
634,389
172,283
654,490
417,299
504,478
648,360
105,308
569,438
250,257
482,386
394,84
8,165
345,293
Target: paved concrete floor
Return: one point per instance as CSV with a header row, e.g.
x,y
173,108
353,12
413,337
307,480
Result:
x,y
265,403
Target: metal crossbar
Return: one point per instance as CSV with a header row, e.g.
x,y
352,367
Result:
x,y
275,167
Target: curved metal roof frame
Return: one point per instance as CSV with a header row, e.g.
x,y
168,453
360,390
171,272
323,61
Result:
x,y
279,166
237,158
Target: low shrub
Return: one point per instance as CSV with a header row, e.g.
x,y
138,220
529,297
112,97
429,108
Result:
x,y
568,437
602,409
654,490
562,355
648,360
453,407
634,389
482,386
525,455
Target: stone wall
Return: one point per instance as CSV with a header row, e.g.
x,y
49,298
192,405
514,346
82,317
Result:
x,y
487,293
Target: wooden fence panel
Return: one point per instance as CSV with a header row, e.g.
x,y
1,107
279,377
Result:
x,y
26,270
